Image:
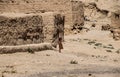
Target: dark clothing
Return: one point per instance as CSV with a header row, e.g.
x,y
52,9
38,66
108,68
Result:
x,y
60,45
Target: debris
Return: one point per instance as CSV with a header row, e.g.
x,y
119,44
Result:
x,y
108,50
73,62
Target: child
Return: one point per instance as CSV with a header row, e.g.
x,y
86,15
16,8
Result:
x,y
60,44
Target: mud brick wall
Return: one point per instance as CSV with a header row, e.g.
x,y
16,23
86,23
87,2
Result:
x,y
23,29
52,22
77,16
115,20
37,6
20,28
48,22
77,13
115,24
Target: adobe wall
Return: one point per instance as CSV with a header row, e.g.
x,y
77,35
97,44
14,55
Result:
x,y
115,20
115,25
37,6
77,13
19,28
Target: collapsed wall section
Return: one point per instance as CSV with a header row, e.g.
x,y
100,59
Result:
x,y
115,24
95,17
115,20
77,15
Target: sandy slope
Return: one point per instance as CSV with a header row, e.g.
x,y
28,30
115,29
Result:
x,y
94,60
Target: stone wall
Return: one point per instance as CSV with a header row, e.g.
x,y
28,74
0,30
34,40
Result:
x,y
115,20
48,23
115,24
18,28
77,13
38,6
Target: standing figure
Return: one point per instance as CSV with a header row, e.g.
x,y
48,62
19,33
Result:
x,y
58,35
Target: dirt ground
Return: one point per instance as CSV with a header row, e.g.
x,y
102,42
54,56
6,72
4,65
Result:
x,y
91,54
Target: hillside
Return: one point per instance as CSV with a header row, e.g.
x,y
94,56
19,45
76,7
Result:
x,y
91,38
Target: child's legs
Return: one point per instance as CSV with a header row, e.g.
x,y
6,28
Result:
x,y
59,50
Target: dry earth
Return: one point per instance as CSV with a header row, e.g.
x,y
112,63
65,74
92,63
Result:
x,y
91,54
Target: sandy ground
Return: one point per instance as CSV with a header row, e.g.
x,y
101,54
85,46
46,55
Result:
x,y
95,54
